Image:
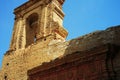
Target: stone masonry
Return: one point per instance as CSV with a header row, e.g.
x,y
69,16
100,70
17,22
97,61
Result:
x,y
39,38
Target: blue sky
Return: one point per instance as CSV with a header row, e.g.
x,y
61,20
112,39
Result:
x,y
81,17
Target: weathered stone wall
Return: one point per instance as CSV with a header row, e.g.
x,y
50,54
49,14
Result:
x,y
110,35
83,65
99,63
17,63
116,63
51,44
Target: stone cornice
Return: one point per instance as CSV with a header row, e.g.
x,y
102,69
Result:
x,y
61,31
57,28
30,3
59,12
61,1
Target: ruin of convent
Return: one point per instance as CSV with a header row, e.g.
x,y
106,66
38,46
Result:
x,y
38,50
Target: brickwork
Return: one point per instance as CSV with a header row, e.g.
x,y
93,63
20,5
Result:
x,y
49,43
17,63
84,65
92,64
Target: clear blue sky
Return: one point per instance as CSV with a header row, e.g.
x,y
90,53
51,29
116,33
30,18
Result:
x,y
82,17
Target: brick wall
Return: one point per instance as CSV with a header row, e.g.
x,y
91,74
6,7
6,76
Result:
x,y
93,64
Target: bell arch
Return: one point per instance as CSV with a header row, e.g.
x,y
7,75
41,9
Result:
x,y
31,28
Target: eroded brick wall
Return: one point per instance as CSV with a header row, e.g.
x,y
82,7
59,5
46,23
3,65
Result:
x,y
93,64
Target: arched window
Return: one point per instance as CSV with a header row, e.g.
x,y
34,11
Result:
x,y
33,19
31,28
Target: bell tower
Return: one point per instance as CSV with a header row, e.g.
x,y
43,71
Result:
x,y
38,21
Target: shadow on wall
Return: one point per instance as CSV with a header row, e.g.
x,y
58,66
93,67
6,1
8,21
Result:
x,y
99,55
94,56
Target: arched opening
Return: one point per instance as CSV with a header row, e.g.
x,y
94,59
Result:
x,y
31,29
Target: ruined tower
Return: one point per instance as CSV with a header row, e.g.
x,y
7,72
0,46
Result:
x,y
38,21
38,50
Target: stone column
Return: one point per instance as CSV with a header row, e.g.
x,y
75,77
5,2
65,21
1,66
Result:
x,y
12,44
49,19
14,36
43,20
22,37
19,37
17,41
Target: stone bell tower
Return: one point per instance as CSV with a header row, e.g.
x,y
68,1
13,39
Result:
x,y
38,21
37,30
